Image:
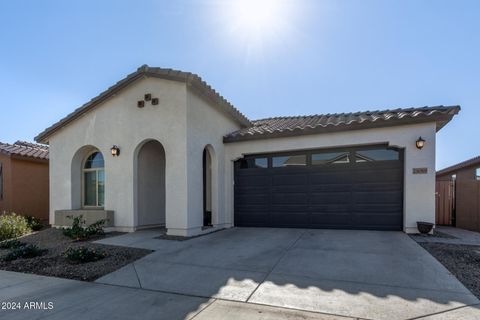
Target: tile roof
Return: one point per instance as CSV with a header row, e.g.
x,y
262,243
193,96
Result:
x,y
464,164
192,80
301,125
25,149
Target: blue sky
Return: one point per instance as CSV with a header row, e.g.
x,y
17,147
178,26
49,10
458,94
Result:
x,y
311,57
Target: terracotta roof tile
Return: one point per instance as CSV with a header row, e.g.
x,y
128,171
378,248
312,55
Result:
x,y
25,149
298,125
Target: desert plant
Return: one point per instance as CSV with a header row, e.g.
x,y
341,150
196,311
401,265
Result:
x,y
79,230
83,254
11,244
12,226
26,251
34,223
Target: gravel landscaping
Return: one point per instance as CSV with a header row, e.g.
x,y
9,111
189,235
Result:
x,y
463,261
53,263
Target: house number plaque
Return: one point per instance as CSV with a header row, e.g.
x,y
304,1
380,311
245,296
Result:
x,y
420,170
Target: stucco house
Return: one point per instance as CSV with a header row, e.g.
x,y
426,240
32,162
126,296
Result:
x,y
163,148
24,179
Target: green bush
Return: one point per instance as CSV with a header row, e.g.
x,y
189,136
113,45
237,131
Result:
x,y
13,226
26,251
83,254
79,230
11,244
34,223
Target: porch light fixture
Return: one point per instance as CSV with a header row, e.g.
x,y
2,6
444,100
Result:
x,y
420,143
115,151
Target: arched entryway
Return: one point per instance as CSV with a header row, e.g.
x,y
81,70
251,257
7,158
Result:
x,y
150,184
207,164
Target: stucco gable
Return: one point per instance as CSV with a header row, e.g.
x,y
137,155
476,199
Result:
x,y
193,82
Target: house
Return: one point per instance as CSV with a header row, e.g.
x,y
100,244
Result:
x,y
458,195
163,148
24,179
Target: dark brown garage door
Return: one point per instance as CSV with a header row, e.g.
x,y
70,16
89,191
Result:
x,y
355,188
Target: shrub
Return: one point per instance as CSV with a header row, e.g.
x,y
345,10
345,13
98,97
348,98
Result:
x,y
11,244
83,254
34,223
12,226
79,230
26,251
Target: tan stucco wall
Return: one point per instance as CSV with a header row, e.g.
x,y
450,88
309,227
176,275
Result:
x,y
419,193
25,187
5,202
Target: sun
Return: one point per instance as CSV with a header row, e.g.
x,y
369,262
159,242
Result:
x,y
252,16
255,23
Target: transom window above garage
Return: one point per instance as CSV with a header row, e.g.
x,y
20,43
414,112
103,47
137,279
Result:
x,y
335,157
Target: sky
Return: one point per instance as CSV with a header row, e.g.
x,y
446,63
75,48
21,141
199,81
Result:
x,y
267,57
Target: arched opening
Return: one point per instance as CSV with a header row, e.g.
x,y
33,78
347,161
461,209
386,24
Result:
x,y
150,185
207,187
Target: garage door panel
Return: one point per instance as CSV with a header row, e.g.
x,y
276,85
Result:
x,y
385,197
289,198
301,208
348,195
380,186
330,208
379,208
261,180
289,179
319,188
290,189
329,177
248,199
247,190
328,197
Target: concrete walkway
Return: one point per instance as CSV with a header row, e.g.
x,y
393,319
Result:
x,y
460,236
77,300
358,274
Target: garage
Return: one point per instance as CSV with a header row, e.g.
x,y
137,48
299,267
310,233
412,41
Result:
x,y
348,188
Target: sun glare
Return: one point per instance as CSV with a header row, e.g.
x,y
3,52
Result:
x,y
257,15
256,24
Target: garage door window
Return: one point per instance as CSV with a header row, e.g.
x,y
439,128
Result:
x,y
330,158
252,163
376,155
289,161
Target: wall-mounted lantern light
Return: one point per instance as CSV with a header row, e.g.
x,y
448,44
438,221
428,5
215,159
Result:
x,y
420,143
115,151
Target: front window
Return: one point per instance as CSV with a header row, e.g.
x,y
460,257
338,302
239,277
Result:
x,y
477,174
94,181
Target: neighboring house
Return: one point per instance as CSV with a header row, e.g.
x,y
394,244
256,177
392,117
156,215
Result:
x,y
458,195
24,179
161,147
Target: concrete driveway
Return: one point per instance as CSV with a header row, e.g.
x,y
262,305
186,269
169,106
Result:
x,y
360,274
